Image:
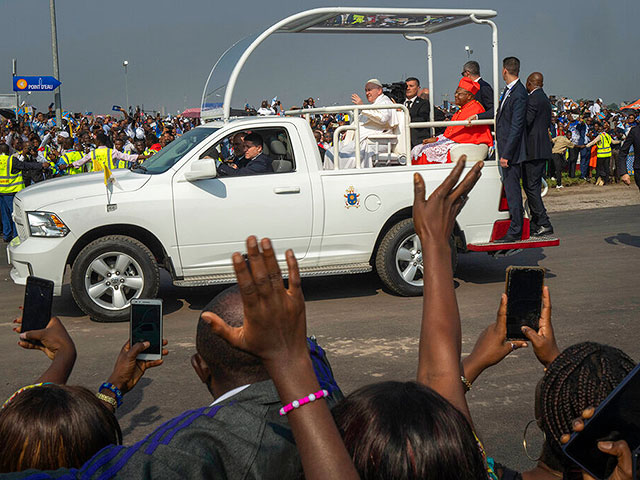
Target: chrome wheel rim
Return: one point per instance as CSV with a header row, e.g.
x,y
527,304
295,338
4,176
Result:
x,y
409,261
113,279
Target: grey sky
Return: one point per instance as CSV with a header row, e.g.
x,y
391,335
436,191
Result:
x,y
584,48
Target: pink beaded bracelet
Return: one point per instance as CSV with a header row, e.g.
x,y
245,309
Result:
x,y
312,397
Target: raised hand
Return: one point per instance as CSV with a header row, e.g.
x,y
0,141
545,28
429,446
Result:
x,y
434,218
56,343
128,370
492,345
619,449
355,98
52,339
543,341
274,329
275,322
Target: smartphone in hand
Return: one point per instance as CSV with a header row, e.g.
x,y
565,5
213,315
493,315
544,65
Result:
x,y
38,298
146,325
616,418
524,302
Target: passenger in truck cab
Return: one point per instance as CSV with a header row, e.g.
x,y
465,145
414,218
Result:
x,y
372,122
255,162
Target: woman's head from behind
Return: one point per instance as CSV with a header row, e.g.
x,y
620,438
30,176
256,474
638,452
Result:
x,y
582,376
54,426
408,431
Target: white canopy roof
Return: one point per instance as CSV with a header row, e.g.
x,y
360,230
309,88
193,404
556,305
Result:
x,y
381,20
403,21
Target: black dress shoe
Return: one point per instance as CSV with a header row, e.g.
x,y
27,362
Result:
x,y
508,239
542,231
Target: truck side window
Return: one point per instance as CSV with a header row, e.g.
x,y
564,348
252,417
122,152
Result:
x,y
276,147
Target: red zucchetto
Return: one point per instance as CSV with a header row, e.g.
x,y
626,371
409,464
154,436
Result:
x,y
469,85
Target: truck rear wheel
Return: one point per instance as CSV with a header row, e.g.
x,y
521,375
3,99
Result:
x,y
110,272
399,260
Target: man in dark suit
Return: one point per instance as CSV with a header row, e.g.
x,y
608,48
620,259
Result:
x,y
633,139
419,111
511,142
471,69
538,153
254,161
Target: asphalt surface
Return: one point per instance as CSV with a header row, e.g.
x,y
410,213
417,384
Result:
x,y
372,336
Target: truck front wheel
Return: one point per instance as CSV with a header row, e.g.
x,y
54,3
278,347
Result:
x,y
110,272
399,260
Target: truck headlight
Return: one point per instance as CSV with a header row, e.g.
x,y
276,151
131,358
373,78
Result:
x,y
45,224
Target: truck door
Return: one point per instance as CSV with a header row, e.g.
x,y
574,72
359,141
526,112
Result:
x,y
215,216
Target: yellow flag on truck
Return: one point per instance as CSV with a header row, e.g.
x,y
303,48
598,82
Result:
x,y
108,176
109,179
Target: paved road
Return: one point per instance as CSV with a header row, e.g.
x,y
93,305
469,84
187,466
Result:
x,y
371,335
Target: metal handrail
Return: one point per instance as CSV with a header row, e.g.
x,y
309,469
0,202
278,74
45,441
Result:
x,y
353,110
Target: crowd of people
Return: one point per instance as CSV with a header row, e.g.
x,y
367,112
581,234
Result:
x,y
278,412
33,148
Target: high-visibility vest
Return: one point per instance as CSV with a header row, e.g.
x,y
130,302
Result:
x,y
70,157
604,145
9,183
147,152
102,156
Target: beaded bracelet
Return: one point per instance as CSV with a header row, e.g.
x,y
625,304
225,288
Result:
x,y
312,397
466,383
114,389
106,398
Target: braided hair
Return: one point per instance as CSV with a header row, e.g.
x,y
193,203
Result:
x,y
582,376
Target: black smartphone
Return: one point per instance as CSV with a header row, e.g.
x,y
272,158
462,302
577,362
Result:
x,y
616,418
38,298
524,303
146,325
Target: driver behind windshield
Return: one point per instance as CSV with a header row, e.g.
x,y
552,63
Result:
x,y
254,162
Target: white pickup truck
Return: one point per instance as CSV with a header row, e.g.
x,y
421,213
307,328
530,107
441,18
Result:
x,y
177,213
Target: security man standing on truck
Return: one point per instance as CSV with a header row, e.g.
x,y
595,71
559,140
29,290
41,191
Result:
x,y
103,155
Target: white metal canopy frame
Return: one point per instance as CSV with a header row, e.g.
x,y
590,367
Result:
x,y
412,23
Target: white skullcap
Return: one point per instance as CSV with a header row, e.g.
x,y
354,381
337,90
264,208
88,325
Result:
x,y
63,134
140,133
375,81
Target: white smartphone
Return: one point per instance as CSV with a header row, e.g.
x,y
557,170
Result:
x,y
146,325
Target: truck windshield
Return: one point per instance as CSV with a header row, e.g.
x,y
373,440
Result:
x,y
169,155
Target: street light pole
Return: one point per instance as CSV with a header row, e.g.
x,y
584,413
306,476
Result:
x,y
126,85
56,69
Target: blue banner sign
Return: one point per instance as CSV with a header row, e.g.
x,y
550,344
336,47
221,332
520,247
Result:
x,y
35,83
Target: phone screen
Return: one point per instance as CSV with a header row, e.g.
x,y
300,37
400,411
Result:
x,y
146,326
524,303
617,418
38,297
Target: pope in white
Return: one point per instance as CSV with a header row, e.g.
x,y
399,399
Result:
x,y
372,122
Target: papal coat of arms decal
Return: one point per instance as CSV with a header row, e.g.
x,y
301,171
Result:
x,y
351,198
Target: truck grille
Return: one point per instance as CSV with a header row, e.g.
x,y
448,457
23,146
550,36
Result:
x,y
20,220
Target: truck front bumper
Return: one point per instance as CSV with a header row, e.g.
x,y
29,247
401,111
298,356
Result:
x,y
41,257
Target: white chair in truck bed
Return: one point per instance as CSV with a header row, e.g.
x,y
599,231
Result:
x,y
473,152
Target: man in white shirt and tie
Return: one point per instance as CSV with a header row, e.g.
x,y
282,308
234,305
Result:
x,y
419,111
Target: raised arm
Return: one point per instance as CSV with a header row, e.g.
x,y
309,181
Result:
x,y
275,330
440,334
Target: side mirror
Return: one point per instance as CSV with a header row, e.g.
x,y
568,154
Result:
x,y
201,169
